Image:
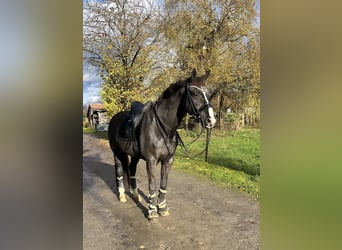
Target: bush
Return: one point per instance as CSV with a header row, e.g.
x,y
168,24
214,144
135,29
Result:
x,y
86,123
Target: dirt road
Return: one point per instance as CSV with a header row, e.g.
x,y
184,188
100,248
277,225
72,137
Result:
x,y
202,215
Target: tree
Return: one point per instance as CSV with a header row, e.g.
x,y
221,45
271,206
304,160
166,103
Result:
x,y
140,49
121,40
221,36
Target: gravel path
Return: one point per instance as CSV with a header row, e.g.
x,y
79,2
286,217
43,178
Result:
x,y
202,215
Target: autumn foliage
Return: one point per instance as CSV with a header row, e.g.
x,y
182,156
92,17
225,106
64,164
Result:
x,y
140,48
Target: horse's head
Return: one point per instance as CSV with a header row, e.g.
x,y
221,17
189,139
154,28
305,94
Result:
x,y
197,103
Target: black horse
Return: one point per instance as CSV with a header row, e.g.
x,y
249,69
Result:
x,y
149,132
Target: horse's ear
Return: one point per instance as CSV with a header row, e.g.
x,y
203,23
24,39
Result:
x,y
193,75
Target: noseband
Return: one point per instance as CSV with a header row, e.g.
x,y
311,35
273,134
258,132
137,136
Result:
x,y
194,110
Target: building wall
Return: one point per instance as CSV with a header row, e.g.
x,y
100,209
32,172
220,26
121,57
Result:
x,y
98,119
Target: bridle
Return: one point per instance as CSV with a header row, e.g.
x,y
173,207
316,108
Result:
x,y
194,111
188,100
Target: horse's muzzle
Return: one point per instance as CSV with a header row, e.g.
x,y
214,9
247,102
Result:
x,y
210,122
211,119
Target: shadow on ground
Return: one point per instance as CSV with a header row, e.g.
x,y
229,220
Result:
x,y
99,134
236,164
106,173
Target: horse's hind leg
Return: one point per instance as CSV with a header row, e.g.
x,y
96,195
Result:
x,y
121,162
133,180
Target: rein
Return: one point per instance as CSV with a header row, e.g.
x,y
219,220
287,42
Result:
x,y
192,156
197,117
161,123
196,114
164,127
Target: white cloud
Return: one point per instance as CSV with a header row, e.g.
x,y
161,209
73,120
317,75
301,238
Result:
x,y
91,97
94,98
91,85
87,77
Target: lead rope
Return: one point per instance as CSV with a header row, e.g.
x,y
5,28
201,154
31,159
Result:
x,y
192,156
161,124
198,116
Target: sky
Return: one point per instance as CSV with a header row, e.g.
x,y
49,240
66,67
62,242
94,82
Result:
x,y
92,82
91,85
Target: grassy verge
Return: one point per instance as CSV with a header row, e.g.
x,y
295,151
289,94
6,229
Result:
x,y
234,159
98,134
89,130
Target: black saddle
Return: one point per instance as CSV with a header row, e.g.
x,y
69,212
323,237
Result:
x,y
128,126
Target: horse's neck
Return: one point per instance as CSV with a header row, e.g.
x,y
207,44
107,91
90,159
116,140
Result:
x,y
169,114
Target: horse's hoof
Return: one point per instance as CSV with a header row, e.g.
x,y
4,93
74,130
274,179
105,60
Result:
x,y
163,209
122,198
152,214
137,198
164,213
136,195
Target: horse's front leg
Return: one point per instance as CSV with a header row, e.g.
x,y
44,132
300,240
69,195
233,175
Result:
x,y
152,199
164,173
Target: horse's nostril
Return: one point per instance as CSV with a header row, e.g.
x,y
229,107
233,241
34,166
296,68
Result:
x,y
211,121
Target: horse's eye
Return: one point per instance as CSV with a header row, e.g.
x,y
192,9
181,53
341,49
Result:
x,y
194,94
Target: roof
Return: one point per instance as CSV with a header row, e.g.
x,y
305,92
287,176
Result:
x,y
97,106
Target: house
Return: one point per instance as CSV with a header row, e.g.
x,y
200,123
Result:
x,y
97,116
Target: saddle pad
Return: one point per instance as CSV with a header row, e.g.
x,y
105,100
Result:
x,y
126,128
131,121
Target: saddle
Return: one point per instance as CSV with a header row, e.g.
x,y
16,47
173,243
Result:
x,y
129,125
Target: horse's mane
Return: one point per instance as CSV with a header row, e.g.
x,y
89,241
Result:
x,y
173,88
198,81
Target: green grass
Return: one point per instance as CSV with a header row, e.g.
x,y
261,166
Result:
x,y
89,130
98,134
234,159
239,151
